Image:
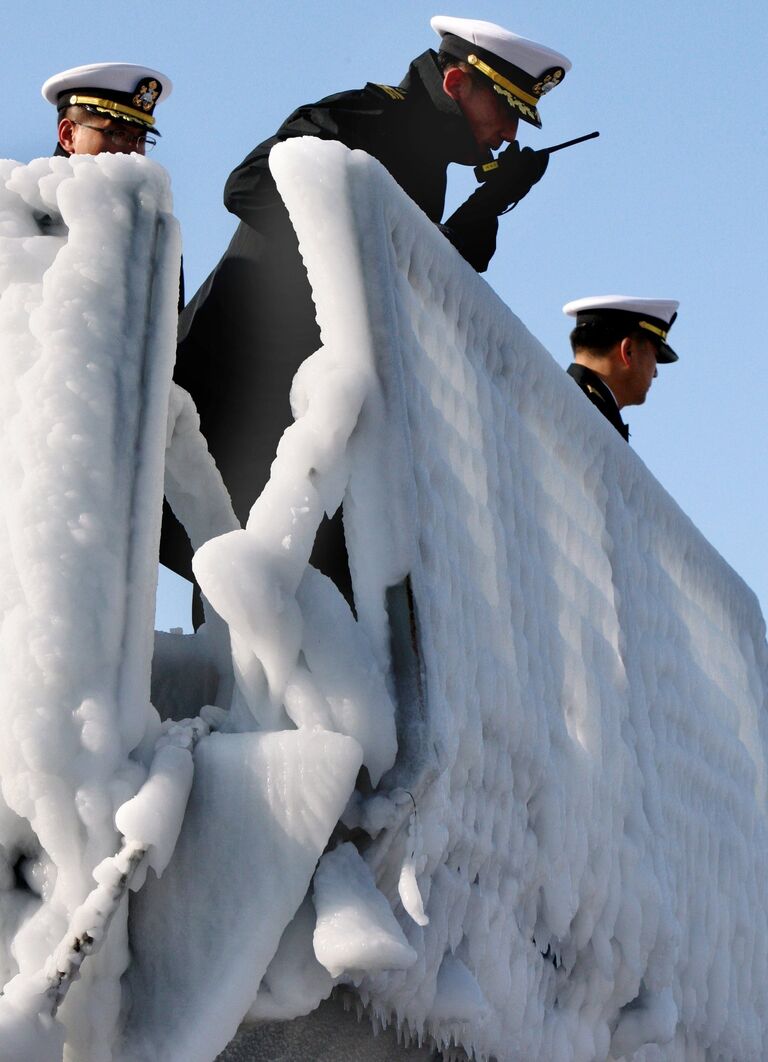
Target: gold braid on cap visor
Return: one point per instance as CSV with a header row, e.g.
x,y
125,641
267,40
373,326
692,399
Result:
x,y
500,80
652,328
113,108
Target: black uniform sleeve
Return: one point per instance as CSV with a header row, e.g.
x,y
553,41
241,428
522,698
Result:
x,y
473,233
346,117
473,228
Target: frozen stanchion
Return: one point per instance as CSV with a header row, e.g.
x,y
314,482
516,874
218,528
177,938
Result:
x,y
88,310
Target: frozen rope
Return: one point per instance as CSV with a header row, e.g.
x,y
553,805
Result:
x,y
169,779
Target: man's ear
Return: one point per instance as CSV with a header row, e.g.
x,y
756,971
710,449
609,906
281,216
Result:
x,y
67,135
455,82
625,351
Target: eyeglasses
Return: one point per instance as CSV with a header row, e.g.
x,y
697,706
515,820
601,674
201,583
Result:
x,y
123,139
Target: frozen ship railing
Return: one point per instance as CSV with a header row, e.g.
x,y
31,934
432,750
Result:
x,y
583,784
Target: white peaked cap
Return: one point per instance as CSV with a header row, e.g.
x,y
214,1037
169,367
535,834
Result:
x,y
121,90
521,70
654,315
664,309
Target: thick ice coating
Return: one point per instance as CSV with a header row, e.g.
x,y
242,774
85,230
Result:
x,y
89,268
558,847
585,750
356,931
261,811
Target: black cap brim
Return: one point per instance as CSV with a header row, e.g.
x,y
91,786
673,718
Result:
x,y
666,354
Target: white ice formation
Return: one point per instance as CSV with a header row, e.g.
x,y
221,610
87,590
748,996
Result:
x,y
89,257
516,807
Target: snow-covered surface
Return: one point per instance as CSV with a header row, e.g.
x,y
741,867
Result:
x,y
557,846
588,822
89,267
356,930
261,810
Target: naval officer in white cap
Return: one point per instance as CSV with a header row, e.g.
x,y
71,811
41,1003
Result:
x,y
517,71
457,105
255,309
497,78
617,344
106,107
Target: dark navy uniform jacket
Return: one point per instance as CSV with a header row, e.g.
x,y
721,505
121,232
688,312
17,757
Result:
x,y
599,395
252,323
415,131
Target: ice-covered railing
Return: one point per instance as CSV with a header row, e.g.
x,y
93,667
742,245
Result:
x,y
89,279
88,289
556,688
578,800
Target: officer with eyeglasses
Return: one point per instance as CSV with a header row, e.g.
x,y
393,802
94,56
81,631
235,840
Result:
x,y
106,107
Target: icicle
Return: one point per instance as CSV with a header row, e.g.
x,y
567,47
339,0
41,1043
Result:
x,y
413,864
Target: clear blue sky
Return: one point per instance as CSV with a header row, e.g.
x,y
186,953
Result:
x,y
670,201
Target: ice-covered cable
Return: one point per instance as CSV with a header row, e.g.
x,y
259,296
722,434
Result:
x,y
150,823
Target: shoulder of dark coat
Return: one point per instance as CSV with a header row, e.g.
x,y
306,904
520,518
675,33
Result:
x,y
370,101
386,93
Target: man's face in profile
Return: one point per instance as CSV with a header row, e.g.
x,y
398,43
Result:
x,y
643,369
490,118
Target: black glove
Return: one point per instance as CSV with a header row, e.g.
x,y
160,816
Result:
x,y
472,229
515,172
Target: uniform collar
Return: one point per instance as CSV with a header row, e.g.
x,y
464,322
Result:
x,y
595,387
610,392
424,75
